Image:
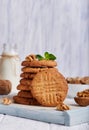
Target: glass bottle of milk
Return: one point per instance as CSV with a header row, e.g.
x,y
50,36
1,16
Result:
x,y
10,65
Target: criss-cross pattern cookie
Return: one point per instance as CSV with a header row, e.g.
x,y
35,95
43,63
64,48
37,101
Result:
x,y
41,63
49,87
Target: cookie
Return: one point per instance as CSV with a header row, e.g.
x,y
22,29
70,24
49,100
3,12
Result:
x,y
85,80
25,101
25,94
23,87
26,82
32,70
41,63
27,75
49,87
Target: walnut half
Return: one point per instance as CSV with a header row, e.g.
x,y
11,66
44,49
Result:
x,y
6,101
62,107
30,57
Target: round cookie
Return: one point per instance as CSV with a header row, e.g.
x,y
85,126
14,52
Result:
x,y
32,70
27,75
23,87
41,63
26,82
25,101
49,87
25,94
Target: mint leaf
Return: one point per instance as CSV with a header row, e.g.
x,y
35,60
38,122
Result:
x,y
49,56
46,54
52,57
39,57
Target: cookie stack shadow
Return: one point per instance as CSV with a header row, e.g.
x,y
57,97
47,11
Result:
x,y
41,83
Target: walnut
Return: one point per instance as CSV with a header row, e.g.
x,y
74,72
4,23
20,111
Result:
x,y
6,101
70,80
5,87
85,80
30,57
84,93
62,107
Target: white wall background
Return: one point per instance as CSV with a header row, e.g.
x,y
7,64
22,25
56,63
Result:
x,y
58,26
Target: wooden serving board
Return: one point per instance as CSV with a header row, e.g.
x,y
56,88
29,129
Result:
x,y
76,115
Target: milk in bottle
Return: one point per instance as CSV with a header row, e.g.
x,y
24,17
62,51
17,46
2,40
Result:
x,y
10,66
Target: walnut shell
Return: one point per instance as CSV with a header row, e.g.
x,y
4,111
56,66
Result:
x,y
5,87
82,101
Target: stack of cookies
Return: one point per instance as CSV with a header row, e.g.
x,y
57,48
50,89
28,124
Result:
x,y
41,83
24,95
31,66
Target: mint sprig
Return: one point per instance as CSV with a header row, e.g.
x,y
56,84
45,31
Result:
x,y
39,57
47,56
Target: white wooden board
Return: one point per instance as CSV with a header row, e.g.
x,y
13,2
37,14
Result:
x,y
76,115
